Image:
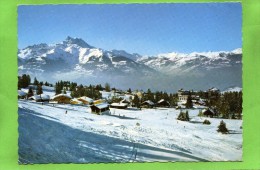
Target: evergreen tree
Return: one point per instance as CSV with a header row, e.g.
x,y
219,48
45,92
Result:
x,y
72,86
116,99
184,116
158,96
189,102
23,81
64,91
30,92
149,96
39,90
129,90
136,101
206,122
46,83
58,88
99,87
36,82
28,78
107,87
173,100
222,127
166,96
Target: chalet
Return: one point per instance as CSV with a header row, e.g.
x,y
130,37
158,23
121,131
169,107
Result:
x,y
119,105
125,101
100,109
200,102
208,112
86,100
99,101
40,98
163,103
62,98
183,95
76,102
147,104
21,94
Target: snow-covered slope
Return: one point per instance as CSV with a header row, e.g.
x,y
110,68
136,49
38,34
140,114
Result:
x,y
48,135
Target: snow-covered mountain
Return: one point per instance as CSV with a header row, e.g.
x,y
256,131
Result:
x,y
232,89
179,63
74,59
75,54
198,70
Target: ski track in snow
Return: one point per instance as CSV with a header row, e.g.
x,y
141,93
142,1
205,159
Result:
x,y
48,135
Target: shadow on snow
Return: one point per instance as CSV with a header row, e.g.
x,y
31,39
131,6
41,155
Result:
x,y
46,141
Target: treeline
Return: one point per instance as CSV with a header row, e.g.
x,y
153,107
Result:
x,y
229,105
91,91
225,105
25,80
63,86
155,97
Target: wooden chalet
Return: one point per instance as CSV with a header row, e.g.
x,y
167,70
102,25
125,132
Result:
x,y
163,103
21,94
76,102
40,98
208,112
86,100
100,109
62,98
147,104
119,105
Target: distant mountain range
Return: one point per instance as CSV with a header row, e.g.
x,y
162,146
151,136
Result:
x,y
75,60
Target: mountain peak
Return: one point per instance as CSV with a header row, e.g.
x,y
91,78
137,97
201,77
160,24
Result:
x,y
78,41
237,51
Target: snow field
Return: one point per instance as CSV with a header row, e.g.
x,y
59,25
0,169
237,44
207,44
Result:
x,y
158,137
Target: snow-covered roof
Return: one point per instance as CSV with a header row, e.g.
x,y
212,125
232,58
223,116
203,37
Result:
x,y
124,101
162,100
148,102
76,100
42,96
60,95
86,98
102,105
204,110
21,93
25,90
119,104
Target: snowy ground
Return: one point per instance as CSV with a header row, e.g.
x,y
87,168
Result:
x,y
48,135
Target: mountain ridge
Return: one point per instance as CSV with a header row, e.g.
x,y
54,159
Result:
x,y
73,58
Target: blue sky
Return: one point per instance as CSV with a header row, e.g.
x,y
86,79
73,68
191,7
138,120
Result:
x,y
147,29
